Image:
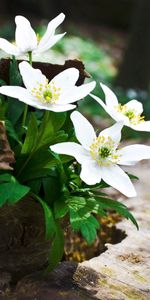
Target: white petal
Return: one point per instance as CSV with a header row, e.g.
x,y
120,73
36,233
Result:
x,y
66,79
9,48
58,108
50,43
14,91
83,129
91,173
118,179
110,97
78,92
143,126
134,153
30,75
111,111
134,104
72,149
52,25
25,36
25,96
114,132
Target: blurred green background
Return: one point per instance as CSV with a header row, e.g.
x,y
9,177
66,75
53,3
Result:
x,y
112,38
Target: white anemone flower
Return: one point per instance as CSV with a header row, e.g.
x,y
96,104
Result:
x,y
100,155
26,39
129,113
56,95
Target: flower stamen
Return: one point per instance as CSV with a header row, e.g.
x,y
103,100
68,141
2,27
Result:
x,y
103,151
47,92
133,116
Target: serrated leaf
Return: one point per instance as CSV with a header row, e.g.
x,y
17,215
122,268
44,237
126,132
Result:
x,y
76,219
88,232
119,207
88,229
76,202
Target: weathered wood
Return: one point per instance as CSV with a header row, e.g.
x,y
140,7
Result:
x,y
48,69
123,271
6,154
23,247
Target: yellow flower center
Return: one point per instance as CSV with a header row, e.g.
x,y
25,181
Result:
x,y
133,116
47,92
103,151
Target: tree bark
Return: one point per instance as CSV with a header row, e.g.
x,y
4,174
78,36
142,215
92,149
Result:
x,y
135,69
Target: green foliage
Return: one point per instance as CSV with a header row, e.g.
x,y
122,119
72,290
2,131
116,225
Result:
x,y
60,208
110,204
57,247
10,190
35,158
52,179
49,219
15,107
82,211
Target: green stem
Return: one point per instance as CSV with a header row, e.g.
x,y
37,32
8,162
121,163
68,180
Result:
x,y
24,116
30,57
26,105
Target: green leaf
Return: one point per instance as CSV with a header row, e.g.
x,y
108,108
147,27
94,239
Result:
x,y
58,137
14,74
11,131
3,82
6,177
50,227
15,110
119,207
76,219
56,120
60,208
35,185
76,202
12,192
52,188
132,176
85,223
31,139
57,248
49,128
88,229
36,165
3,108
